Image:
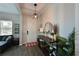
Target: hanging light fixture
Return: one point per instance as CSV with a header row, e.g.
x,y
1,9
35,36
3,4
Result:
x,y
35,13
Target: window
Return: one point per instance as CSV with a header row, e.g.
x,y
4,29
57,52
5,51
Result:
x,y
5,27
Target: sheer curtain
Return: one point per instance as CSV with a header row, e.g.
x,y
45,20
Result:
x,y
5,27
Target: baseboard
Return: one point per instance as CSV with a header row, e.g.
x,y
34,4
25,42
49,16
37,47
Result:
x,y
20,44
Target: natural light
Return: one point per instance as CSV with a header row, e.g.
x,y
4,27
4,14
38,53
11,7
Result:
x,y
5,27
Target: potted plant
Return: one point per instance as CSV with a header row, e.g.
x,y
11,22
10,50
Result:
x,y
66,47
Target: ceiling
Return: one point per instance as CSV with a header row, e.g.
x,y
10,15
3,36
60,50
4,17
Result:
x,y
28,8
8,8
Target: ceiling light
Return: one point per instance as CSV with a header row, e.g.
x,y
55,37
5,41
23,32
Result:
x,y
35,15
35,12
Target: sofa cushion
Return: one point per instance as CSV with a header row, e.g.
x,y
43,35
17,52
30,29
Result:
x,y
4,38
1,38
2,43
8,38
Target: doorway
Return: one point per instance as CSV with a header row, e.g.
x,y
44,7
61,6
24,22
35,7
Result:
x,y
29,30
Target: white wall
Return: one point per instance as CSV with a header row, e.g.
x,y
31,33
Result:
x,y
61,14
29,24
77,29
49,14
69,19
66,19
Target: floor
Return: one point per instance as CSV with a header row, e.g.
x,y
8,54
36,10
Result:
x,y
23,51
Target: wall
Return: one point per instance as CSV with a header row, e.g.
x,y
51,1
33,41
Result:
x,y
31,25
69,19
66,16
49,14
61,14
77,29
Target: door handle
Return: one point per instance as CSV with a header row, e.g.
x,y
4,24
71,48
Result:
x,y
27,32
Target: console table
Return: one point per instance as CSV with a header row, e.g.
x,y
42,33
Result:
x,y
48,47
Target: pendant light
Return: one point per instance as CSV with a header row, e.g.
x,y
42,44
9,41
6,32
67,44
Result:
x,y
35,13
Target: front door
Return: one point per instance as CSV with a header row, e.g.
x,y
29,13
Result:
x,y
29,30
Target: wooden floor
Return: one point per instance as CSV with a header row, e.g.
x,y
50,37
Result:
x,y
23,51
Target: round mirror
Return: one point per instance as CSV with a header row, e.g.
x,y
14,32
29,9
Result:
x,y
48,27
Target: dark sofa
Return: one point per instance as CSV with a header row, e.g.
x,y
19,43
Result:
x,y
5,42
